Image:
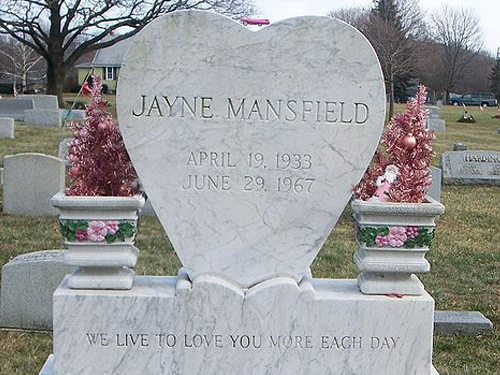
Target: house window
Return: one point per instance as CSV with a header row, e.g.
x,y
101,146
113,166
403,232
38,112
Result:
x,y
110,73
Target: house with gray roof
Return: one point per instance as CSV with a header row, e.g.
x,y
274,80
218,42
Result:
x,y
106,63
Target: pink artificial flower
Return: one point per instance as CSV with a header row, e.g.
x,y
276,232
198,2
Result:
x,y
397,236
112,226
397,230
412,232
81,235
382,241
96,231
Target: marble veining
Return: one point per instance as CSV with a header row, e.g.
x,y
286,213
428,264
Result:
x,y
169,325
249,220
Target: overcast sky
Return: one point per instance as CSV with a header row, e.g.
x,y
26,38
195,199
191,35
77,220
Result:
x,y
488,11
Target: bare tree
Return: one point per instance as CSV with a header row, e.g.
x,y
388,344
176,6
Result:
x,y
51,27
392,27
458,33
21,63
354,16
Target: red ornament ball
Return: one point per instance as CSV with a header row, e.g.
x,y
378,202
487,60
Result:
x,y
409,141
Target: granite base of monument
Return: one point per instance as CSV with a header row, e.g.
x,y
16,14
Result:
x,y
168,325
48,367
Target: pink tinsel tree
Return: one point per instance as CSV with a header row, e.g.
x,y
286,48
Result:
x,y
408,146
100,164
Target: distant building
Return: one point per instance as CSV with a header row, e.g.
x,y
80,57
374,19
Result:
x,y
106,63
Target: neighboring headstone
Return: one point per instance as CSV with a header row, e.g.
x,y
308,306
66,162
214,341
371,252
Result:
x,y
148,210
62,150
48,367
30,180
28,283
14,108
248,144
1,176
6,127
471,167
459,147
434,111
436,124
72,115
461,322
435,188
42,101
43,117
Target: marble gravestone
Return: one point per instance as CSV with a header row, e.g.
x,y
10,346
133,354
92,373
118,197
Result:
x,y
28,283
248,144
30,180
471,167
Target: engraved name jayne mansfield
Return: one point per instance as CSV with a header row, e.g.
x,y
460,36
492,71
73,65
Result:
x,y
253,109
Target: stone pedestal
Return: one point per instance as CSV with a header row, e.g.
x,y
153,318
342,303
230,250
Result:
x,y
168,325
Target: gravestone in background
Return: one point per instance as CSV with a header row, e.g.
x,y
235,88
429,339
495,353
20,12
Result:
x,y
435,124
14,108
248,145
6,127
435,188
29,181
42,101
28,282
62,150
433,111
45,112
72,115
471,167
43,117
433,121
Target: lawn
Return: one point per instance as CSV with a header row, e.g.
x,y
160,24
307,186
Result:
x,y
465,257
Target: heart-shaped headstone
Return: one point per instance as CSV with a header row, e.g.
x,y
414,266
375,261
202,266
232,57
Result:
x,y
249,143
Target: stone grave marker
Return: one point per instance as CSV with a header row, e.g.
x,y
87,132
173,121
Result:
x,y
6,127
435,188
433,121
436,124
43,117
14,108
42,101
73,115
434,111
471,167
248,144
62,150
45,112
459,147
28,283
30,180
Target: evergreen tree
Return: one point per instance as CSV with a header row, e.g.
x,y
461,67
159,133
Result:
x,y
391,28
495,77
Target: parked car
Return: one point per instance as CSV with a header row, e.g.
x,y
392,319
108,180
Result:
x,y
485,99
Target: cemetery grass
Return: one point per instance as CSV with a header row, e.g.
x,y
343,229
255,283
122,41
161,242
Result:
x,y
465,256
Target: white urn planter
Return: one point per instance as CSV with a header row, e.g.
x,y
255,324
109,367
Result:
x,y
393,239
99,233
